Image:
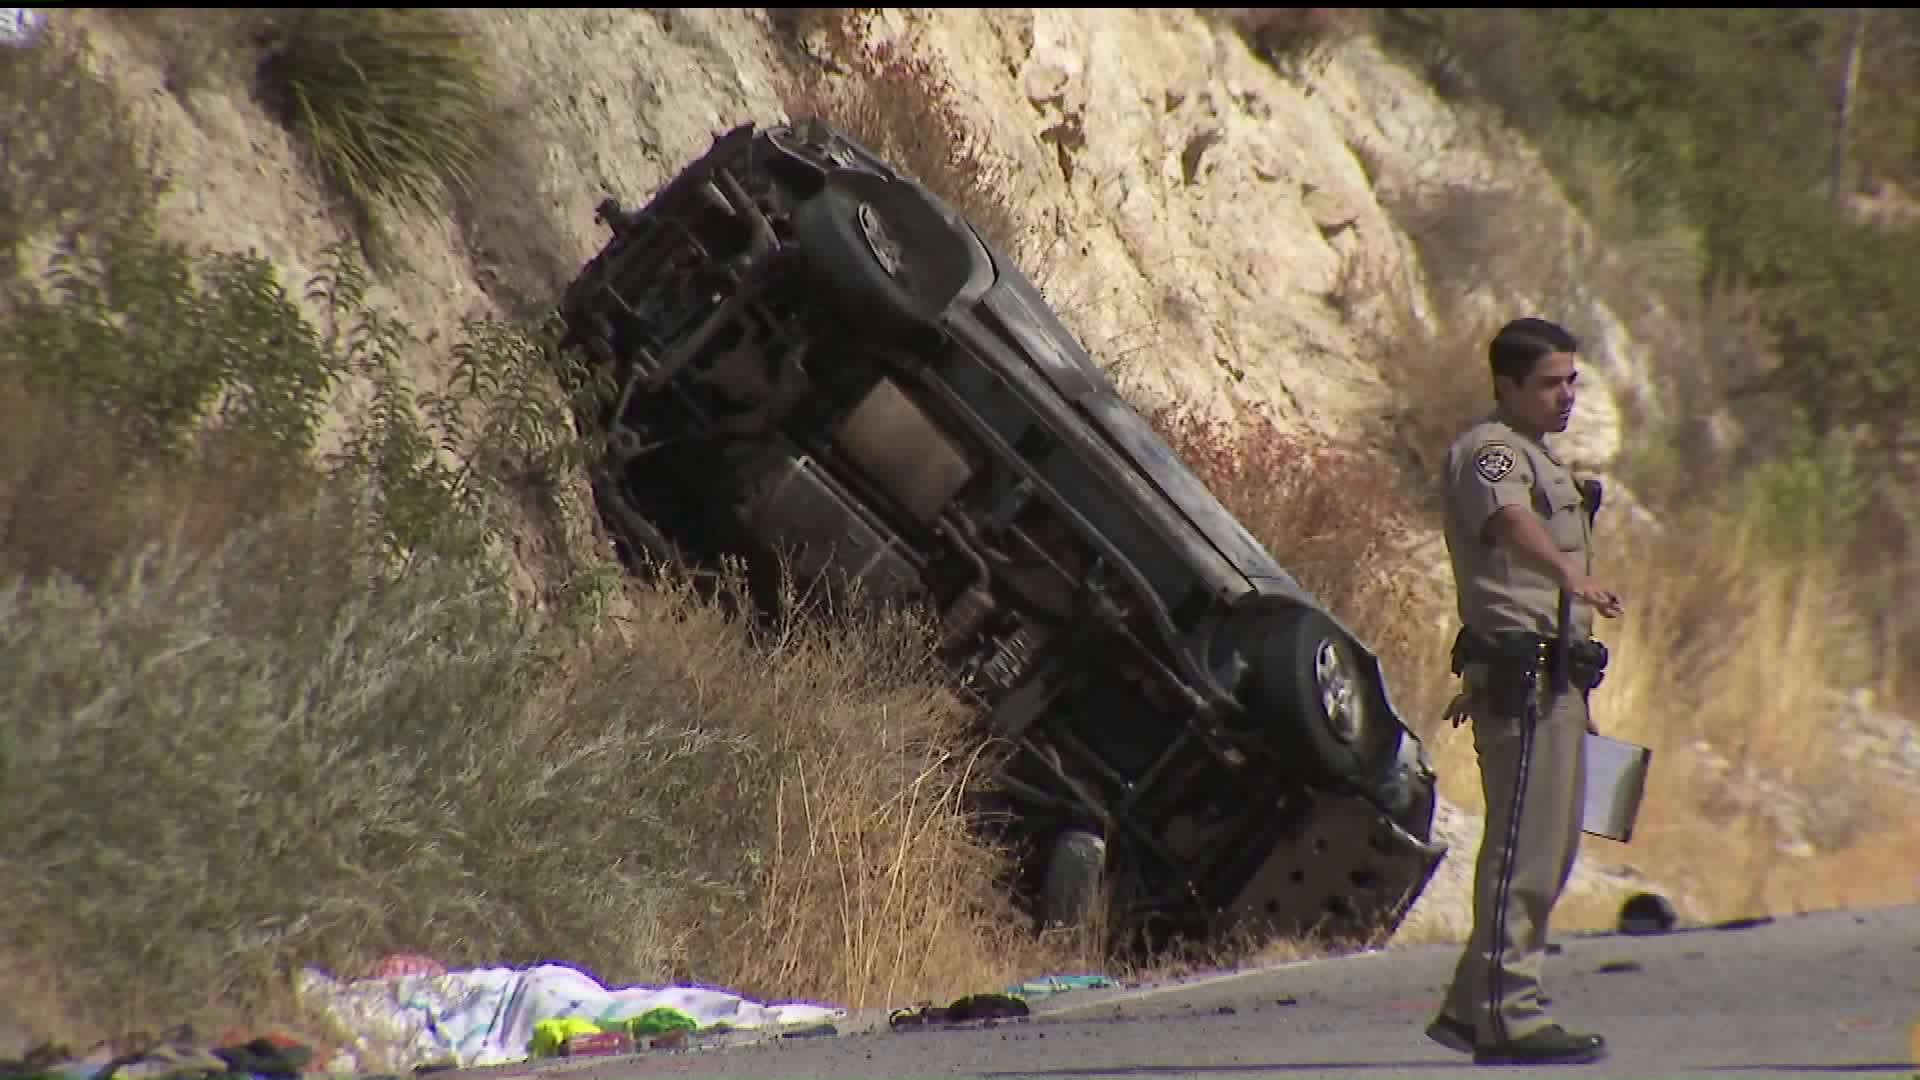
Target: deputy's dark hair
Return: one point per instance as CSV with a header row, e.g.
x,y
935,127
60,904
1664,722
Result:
x,y
1521,343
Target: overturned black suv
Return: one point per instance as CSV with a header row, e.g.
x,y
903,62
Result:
x,y
821,366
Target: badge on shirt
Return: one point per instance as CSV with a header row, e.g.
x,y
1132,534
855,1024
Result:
x,y
1494,463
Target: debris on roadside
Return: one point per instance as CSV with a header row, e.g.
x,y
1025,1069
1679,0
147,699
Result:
x,y
972,1008
393,965
1647,913
595,1044
1060,984
408,1015
656,1029
500,1016
179,1055
1010,1004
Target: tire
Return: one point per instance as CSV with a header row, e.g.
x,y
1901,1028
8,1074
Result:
x,y
880,254
1076,869
1332,716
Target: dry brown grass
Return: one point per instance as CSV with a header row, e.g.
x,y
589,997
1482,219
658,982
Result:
x,y
903,108
1321,508
1728,646
1723,646
862,884
1339,519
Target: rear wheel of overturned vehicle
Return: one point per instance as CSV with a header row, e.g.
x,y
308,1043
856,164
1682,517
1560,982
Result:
x,y
882,255
1307,676
1072,886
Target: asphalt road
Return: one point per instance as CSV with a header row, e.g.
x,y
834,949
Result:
x,y
1813,995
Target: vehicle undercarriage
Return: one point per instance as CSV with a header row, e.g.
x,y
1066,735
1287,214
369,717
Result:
x,y
822,370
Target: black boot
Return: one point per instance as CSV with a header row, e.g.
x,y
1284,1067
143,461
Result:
x,y
1551,1045
1455,1035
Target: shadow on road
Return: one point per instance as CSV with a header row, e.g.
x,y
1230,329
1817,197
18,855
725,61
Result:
x,y
1886,1068
1866,1069
1190,1070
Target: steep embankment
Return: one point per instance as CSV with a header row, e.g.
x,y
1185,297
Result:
x,y
1221,234
1325,245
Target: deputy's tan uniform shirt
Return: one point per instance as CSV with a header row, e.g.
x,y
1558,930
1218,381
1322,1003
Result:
x,y
1493,465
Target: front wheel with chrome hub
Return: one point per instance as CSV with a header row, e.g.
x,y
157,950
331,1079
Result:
x,y
1340,698
1310,687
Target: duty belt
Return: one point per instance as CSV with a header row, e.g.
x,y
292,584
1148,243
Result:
x,y
1519,651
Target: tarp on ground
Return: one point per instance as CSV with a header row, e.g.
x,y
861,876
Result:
x,y
486,1016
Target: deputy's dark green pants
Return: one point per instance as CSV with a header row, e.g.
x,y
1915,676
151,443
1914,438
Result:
x,y
1533,776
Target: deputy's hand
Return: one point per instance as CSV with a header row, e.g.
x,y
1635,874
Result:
x,y
1457,712
1604,600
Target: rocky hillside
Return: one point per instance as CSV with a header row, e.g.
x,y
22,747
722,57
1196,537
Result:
x,y
1321,236
1220,230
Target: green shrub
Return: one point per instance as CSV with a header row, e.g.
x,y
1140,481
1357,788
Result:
x,y
204,362
392,102
1837,298
161,337
1720,128
234,779
236,708
1807,498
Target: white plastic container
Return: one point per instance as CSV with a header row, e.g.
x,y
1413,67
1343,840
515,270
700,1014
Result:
x,y
1616,781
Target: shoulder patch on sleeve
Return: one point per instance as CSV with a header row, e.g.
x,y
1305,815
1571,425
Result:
x,y
1494,462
